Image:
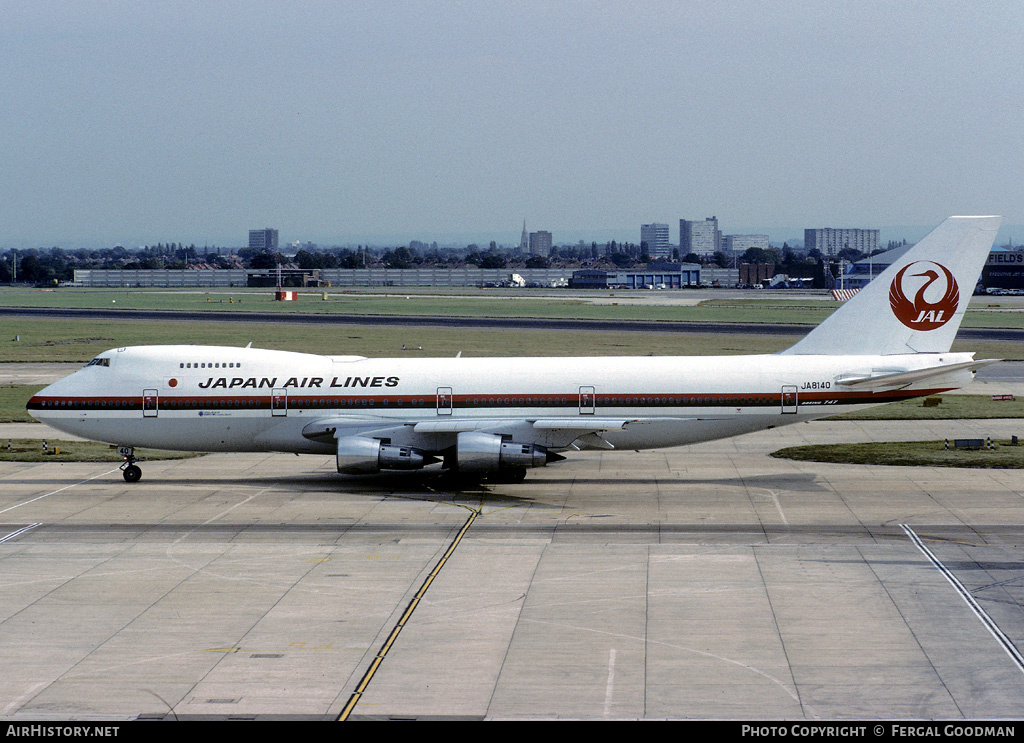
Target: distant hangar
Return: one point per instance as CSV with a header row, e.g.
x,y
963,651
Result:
x,y
654,276
1004,268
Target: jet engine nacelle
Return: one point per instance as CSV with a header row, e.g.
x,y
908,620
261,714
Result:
x,y
361,455
485,452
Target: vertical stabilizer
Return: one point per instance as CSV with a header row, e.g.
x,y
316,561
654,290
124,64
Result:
x,y
915,305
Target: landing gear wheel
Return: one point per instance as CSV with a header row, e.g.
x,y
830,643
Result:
x,y
131,471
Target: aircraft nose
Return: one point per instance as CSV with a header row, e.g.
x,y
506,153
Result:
x,y
38,405
34,405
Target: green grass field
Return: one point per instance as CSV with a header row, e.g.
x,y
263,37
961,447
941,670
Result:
x,y
59,450
950,407
39,339
24,339
908,454
983,313
523,304
13,399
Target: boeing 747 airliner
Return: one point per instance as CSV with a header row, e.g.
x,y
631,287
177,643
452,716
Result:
x,y
498,417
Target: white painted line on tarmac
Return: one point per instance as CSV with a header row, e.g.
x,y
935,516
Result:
x,y
19,532
609,688
959,587
58,490
17,702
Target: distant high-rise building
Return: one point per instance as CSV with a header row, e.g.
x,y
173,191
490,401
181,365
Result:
x,y
699,238
742,243
540,243
829,240
265,239
655,238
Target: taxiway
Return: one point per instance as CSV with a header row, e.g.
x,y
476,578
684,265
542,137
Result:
x,y
709,582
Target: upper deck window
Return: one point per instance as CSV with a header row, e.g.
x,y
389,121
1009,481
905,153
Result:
x,y
99,361
208,365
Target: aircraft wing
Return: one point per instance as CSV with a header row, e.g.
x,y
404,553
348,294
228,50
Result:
x,y
897,379
573,433
365,425
547,424
433,435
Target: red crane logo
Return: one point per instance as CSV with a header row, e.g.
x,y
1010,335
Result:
x,y
919,313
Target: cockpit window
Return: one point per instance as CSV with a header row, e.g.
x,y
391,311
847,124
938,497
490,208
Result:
x,y
99,361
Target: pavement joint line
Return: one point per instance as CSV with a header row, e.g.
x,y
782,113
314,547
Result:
x,y
406,615
990,625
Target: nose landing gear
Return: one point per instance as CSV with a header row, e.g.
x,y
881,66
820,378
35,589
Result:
x,y
129,470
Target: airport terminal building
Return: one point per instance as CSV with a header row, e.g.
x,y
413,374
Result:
x,y
663,276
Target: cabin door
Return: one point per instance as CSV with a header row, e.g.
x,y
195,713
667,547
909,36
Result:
x,y
588,402
279,402
444,400
150,403
789,398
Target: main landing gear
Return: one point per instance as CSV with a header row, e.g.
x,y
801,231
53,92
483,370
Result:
x,y
129,470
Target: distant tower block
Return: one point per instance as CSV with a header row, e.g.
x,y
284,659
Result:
x,y
265,239
654,237
540,243
699,237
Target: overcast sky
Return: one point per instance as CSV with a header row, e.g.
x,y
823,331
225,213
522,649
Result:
x,y
133,123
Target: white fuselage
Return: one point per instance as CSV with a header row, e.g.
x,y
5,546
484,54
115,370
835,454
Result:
x,y
239,399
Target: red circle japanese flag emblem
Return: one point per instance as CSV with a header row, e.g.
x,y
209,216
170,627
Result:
x,y
935,295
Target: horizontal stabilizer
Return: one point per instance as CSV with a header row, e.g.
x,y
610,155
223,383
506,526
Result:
x,y
890,380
